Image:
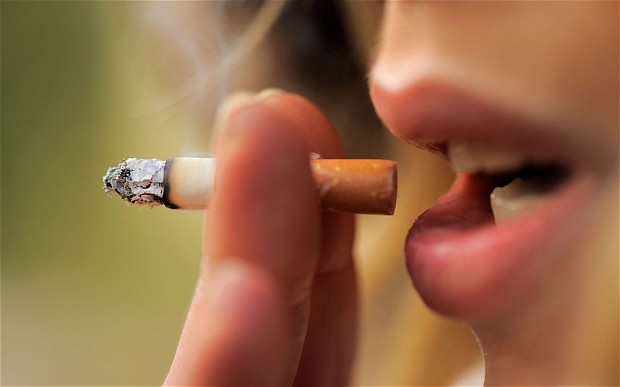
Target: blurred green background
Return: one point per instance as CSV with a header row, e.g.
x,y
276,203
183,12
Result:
x,y
93,292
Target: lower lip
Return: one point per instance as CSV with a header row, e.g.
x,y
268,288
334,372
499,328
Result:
x,y
464,265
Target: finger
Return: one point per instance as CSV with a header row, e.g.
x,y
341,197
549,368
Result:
x,y
234,318
265,207
265,211
329,350
319,137
315,129
329,347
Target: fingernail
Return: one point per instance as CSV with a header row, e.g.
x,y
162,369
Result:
x,y
222,123
265,94
228,105
314,156
224,111
239,99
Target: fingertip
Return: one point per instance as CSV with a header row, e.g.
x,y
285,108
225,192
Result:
x,y
224,110
303,116
264,126
314,127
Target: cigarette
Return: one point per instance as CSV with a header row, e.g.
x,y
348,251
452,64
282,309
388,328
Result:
x,y
361,186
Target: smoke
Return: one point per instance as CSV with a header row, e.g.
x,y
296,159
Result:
x,y
202,50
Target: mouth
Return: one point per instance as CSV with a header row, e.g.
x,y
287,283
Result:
x,y
499,185
519,192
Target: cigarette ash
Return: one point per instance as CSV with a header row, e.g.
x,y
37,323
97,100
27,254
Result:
x,y
137,181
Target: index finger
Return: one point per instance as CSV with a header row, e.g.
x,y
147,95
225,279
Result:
x,y
330,343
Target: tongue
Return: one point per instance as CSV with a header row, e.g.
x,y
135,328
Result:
x,y
464,206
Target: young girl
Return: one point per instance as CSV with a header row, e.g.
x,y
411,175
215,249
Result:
x,y
522,99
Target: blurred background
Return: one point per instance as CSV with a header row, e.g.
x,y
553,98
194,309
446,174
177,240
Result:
x,y
93,292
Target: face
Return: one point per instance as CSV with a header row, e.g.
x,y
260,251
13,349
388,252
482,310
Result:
x,y
522,98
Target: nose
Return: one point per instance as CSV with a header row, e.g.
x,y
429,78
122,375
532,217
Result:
x,y
400,62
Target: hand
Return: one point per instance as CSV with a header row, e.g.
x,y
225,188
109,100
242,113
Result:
x,y
276,299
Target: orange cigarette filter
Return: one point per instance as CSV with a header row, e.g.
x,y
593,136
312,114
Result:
x,y
358,186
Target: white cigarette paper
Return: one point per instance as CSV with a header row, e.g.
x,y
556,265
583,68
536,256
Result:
x,y
343,185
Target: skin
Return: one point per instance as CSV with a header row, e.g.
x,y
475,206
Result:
x,y
277,270
570,85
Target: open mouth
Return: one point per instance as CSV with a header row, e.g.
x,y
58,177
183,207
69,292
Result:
x,y
502,216
494,187
519,192
503,183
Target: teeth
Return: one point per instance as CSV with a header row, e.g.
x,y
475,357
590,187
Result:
x,y
476,157
515,198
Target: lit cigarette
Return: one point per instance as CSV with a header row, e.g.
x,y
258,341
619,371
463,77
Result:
x,y
343,185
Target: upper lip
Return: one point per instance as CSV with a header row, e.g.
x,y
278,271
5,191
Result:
x,y
431,114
